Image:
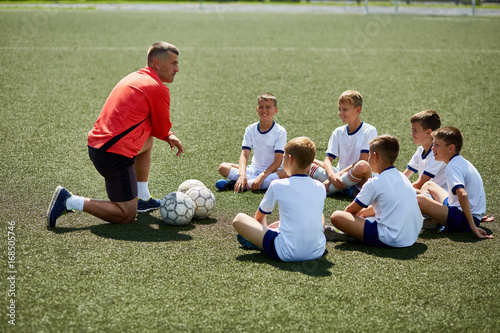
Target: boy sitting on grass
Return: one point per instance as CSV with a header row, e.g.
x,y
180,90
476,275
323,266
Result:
x,y
299,235
461,208
268,139
350,144
422,125
397,220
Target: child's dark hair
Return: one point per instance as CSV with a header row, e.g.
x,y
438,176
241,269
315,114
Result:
x,y
302,149
451,136
428,119
387,146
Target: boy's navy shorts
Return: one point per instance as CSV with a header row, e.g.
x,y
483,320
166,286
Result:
x,y
268,244
118,172
457,221
370,234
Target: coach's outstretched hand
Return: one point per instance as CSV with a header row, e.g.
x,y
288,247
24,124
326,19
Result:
x,y
173,141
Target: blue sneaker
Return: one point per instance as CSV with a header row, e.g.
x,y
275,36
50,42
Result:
x,y
57,206
246,243
144,206
223,185
351,191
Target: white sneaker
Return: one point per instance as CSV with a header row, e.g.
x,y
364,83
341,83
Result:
x,y
333,234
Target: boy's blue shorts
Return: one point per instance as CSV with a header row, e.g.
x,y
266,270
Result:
x,y
268,244
370,235
457,221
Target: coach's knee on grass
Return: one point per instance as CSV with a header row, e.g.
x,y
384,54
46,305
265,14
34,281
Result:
x,y
128,212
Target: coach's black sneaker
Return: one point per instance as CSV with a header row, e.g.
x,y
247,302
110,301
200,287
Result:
x,y
57,206
144,206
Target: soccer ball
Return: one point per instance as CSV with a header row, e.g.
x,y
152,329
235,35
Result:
x,y
177,208
189,184
204,201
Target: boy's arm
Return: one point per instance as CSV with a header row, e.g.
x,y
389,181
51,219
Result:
x,y
353,208
421,181
261,217
333,178
278,160
408,173
242,183
465,205
366,212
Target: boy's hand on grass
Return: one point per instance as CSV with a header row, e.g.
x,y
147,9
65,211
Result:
x,y
481,233
241,185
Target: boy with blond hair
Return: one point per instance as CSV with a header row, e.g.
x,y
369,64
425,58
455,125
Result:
x,y
299,235
423,162
268,140
462,207
350,143
397,220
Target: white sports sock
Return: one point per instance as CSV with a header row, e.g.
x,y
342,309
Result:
x,y
318,173
75,202
143,190
348,179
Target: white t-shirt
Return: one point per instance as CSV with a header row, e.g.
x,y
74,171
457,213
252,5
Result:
x,y
301,201
425,164
396,208
349,146
461,173
264,144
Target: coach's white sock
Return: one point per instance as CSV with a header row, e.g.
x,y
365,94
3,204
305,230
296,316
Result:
x,y
318,173
348,179
75,202
143,190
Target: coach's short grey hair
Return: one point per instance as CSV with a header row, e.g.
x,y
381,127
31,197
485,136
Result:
x,y
161,48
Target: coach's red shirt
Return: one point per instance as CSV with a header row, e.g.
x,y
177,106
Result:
x,y
137,107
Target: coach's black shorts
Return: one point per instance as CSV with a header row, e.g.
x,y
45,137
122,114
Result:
x,y
118,172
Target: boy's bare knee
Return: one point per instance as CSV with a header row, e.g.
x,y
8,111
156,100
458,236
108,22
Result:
x,y
334,218
362,169
237,219
224,169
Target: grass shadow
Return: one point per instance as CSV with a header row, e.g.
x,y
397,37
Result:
x,y
340,197
461,237
146,228
204,221
319,267
403,253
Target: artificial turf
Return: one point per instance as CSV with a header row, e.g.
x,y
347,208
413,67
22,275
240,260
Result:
x,y
58,67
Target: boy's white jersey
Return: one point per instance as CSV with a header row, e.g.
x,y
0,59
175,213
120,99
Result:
x,y
394,201
264,144
461,173
425,164
301,201
349,146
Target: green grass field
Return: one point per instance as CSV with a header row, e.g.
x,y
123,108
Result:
x,y
57,69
